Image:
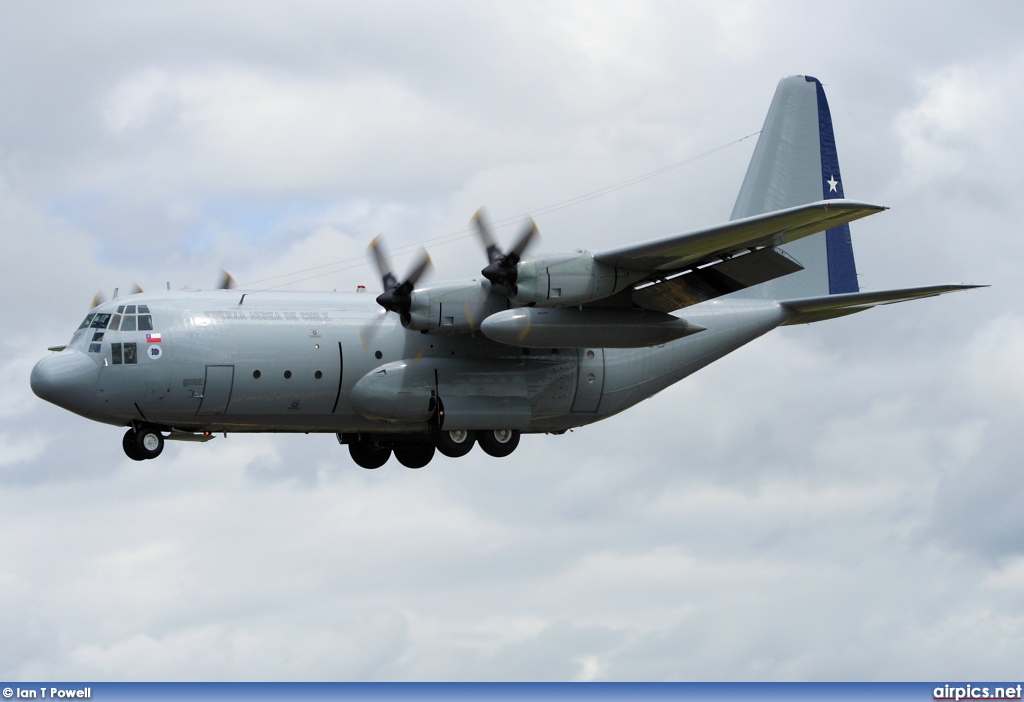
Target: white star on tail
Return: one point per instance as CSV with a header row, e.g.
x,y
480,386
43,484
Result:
x,y
832,183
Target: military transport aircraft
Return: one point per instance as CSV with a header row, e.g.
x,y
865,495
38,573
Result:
x,y
537,344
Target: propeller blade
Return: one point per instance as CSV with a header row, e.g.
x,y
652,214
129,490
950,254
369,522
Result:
x,y
226,281
525,239
501,269
383,266
418,270
136,289
494,253
397,297
97,300
369,331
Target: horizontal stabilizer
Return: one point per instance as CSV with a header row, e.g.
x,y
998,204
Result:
x,y
703,245
817,309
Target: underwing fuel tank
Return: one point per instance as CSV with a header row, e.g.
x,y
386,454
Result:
x,y
467,393
573,327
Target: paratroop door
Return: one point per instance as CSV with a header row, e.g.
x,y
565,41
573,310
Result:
x,y
590,381
217,391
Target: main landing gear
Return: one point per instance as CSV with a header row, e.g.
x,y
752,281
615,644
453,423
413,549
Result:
x,y
143,443
498,443
417,450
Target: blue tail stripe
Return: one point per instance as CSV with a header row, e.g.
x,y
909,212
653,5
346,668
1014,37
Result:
x,y
842,270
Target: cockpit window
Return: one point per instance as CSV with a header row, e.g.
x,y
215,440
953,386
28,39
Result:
x,y
115,322
130,309
128,324
120,309
145,322
143,309
100,321
88,320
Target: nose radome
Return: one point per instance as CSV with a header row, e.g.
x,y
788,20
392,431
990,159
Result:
x,y
68,380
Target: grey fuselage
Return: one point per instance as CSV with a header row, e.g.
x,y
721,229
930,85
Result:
x,y
297,362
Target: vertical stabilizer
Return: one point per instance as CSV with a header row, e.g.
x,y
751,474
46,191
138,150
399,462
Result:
x,y
794,163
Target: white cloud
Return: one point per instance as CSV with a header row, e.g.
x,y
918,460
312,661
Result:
x,y
840,501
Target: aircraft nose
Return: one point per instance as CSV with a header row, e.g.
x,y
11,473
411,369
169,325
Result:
x,y
68,380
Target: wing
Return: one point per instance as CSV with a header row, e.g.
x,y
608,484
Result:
x,y
722,241
817,309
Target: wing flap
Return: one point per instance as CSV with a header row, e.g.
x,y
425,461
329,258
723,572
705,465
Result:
x,y
703,284
770,229
817,309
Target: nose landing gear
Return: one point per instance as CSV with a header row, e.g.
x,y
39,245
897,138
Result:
x,y
143,443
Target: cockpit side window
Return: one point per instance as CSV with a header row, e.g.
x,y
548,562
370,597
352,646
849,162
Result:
x,y
128,323
115,322
130,353
100,321
87,322
145,322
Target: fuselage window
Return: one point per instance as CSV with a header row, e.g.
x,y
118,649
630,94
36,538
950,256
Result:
x,y
95,348
128,324
131,354
145,322
88,320
100,321
115,354
115,322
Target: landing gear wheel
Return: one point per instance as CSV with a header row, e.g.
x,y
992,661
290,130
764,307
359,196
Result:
x,y
368,455
148,443
499,442
455,443
414,455
128,444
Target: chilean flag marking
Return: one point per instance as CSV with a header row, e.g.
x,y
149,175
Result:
x,y
153,338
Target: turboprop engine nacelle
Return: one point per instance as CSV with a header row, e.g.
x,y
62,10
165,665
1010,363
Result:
x,y
452,308
568,279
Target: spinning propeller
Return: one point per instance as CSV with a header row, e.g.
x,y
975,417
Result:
x,y
397,297
226,283
99,298
501,269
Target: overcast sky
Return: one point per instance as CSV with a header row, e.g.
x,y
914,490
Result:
x,y
838,501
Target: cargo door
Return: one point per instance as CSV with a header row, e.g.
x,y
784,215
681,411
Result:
x,y
589,381
217,390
